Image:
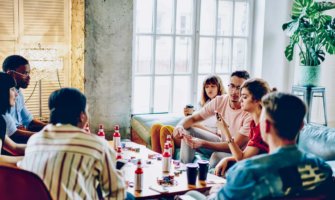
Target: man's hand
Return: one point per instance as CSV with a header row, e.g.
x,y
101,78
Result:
x,y
193,142
178,132
220,168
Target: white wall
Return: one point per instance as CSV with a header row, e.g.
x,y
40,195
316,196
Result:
x,y
268,57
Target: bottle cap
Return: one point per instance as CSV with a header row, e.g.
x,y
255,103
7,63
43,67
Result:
x,y
101,126
116,127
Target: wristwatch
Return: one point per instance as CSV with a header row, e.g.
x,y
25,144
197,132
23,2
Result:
x,y
230,140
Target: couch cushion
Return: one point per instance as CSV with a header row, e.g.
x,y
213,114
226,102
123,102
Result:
x,y
319,140
142,123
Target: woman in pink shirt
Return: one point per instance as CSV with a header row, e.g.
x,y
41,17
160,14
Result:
x,y
252,92
212,87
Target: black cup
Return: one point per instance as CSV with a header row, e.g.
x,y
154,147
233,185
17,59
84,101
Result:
x,y
192,172
189,106
203,170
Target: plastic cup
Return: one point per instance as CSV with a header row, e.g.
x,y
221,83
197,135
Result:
x,y
203,170
192,172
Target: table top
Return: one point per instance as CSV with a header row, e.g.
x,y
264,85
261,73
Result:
x,y
153,171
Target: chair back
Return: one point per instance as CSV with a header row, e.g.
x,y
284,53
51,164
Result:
x,y
19,184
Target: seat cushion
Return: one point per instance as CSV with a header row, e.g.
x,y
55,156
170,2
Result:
x,y
319,140
142,123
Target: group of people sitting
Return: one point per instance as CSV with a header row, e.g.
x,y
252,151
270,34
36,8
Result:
x,y
252,121
241,123
72,163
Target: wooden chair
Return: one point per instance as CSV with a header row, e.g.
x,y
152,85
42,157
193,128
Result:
x,y
19,184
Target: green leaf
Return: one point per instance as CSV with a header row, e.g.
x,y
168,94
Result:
x,y
290,27
300,6
323,6
289,51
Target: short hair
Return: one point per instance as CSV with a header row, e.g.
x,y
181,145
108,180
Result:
x,y
66,105
287,113
257,88
6,82
211,79
13,62
241,74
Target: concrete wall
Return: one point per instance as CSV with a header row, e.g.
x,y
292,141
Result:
x,y
108,61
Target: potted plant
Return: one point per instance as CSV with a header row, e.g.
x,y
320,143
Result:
x,y
314,33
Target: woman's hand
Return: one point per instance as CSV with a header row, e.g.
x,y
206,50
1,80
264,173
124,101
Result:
x,y
188,111
222,126
193,142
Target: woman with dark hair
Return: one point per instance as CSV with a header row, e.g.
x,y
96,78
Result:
x,y
252,91
7,100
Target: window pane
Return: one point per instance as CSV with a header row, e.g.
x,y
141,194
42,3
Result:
x,y
239,54
143,54
223,50
184,19
144,16
207,17
164,16
241,18
183,58
163,55
162,94
225,18
141,99
206,55
181,93
201,79
225,81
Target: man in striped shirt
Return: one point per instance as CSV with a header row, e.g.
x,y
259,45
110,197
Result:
x,y
71,162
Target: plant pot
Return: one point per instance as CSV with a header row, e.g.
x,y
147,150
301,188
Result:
x,y
309,75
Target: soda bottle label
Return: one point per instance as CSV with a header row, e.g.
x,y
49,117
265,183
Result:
x,y
138,182
166,164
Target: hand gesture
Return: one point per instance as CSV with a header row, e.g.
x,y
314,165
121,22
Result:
x,y
222,125
193,142
178,132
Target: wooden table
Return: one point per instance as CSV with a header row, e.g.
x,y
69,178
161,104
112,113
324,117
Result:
x,y
154,170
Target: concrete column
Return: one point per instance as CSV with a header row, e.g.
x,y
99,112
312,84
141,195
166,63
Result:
x,y
108,62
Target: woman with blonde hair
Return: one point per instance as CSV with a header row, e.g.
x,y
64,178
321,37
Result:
x,y
212,87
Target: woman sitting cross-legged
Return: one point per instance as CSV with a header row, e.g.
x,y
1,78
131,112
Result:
x,y
7,100
212,87
252,92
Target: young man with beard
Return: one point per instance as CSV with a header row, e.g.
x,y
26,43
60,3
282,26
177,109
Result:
x,y
195,139
20,123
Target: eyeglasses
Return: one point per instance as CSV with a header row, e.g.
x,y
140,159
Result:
x,y
232,86
22,74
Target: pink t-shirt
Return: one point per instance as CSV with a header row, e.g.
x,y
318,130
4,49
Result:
x,y
237,120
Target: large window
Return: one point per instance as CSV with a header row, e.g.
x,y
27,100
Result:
x,y
38,30
177,43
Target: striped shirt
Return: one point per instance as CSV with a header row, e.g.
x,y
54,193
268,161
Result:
x,y
73,163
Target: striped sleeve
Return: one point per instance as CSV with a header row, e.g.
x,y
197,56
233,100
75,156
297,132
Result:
x,y
112,183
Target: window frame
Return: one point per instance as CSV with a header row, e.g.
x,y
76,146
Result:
x,y
195,42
